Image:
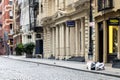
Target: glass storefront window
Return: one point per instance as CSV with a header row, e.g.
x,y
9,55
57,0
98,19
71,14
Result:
x,y
113,39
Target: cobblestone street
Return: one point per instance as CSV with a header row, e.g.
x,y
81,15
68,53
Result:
x,y
18,70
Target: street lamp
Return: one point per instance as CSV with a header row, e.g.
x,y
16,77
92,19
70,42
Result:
x,y
90,53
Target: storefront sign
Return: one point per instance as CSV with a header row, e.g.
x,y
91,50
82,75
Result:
x,y
70,23
114,21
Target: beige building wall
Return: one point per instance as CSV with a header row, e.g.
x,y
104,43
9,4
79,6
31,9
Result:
x,y
61,41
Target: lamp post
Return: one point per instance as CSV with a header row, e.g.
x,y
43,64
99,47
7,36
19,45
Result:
x,y
90,53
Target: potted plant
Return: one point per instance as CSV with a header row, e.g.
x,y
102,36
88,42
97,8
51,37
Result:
x,y
19,49
28,49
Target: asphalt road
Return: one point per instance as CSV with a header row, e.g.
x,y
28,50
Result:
x,y
19,70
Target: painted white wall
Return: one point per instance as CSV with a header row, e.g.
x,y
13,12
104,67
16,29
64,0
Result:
x,y
25,23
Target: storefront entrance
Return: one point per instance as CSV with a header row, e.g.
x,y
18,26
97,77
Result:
x,y
113,25
113,43
39,47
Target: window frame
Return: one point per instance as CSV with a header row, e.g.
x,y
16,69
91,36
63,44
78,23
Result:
x,y
103,5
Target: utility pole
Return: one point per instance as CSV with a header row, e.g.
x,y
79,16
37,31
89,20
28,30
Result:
x,y
90,53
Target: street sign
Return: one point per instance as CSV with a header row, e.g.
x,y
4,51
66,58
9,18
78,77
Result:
x,y
70,23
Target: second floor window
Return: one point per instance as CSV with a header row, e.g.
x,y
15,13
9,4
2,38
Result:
x,y
11,14
10,2
105,4
41,8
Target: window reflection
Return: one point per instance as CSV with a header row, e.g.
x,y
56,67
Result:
x,y
115,40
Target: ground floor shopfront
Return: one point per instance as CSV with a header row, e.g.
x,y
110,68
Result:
x,y
107,40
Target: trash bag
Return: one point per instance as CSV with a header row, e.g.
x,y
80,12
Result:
x,y
91,65
95,65
99,66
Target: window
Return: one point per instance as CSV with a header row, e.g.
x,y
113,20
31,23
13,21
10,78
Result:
x,y
11,14
10,2
38,35
105,4
11,41
11,17
41,8
29,36
0,12
10,26
115,40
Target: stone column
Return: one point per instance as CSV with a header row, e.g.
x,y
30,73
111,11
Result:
x,y
49,47
62,42
72,41
67,42
82,37
86,37
60,38
57,42
118,55
53,41
76,38
104,42
96,58
45,43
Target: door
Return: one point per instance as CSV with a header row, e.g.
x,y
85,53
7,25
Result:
x,y
100,40
39,47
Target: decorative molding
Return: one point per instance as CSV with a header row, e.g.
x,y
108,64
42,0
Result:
x,y
59,14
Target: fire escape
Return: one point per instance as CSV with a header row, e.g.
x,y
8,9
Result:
x,y
34,25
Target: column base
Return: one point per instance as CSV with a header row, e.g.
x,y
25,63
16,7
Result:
x,y
56,57
67,57
61,57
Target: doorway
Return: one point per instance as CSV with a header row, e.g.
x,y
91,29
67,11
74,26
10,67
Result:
x,y
100,41
39,47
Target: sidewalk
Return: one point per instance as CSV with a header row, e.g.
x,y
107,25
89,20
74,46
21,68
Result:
x,y
68,64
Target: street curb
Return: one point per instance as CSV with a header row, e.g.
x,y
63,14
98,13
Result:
x,y
67,67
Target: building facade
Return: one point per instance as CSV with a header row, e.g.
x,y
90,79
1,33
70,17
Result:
x,y
31,30
27,34
66,28
1,32
7,28
17,37
107,40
